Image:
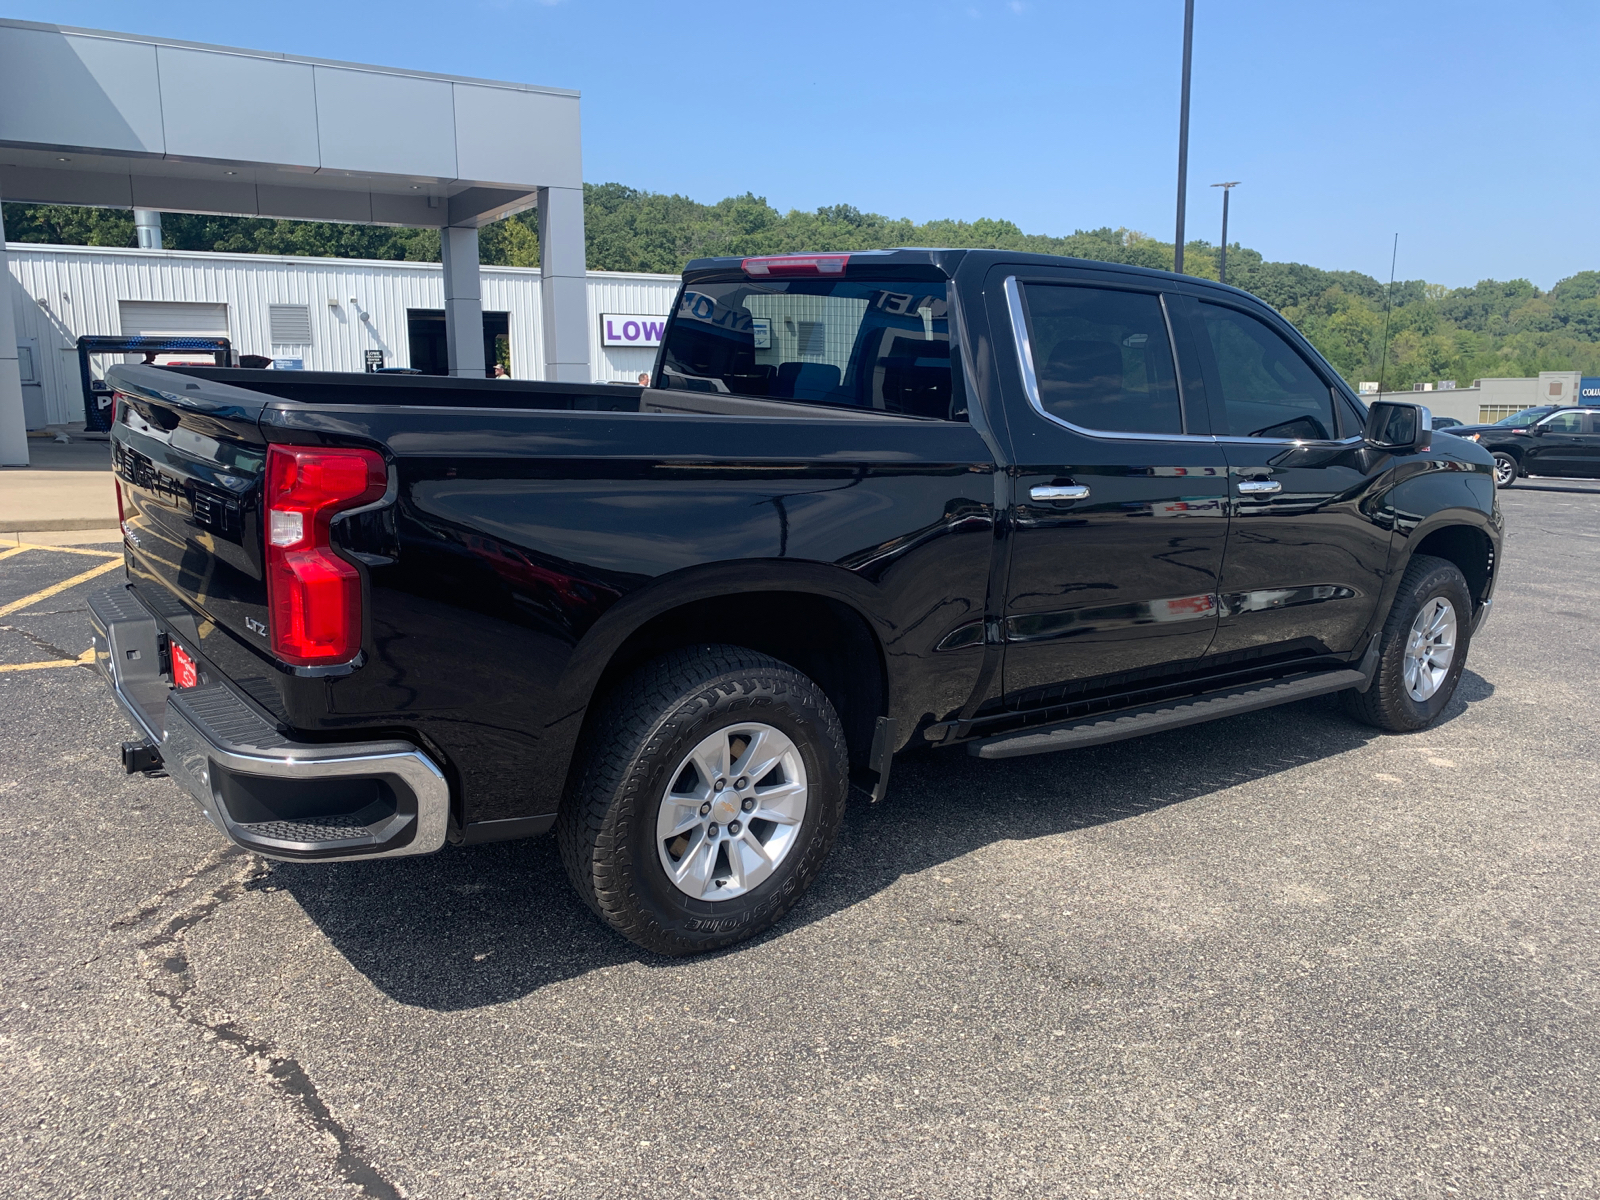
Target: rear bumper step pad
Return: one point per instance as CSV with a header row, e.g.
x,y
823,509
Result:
x,y
1169,714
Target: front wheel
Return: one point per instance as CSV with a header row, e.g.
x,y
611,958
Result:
x,y
1506,468
713,787
1423,650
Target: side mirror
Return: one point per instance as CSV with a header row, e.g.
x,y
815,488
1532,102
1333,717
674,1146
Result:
x,y
1396,426
1538,430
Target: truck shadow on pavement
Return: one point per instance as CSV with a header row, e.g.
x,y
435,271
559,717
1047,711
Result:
x,y
482,925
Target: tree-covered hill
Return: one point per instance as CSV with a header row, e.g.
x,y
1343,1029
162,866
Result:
x,y
1494,328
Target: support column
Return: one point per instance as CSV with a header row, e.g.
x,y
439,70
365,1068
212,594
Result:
x,y
463,302
13,424
147,225
564,285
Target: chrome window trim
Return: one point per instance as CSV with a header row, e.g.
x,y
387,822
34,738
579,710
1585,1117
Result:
x,y
1030,383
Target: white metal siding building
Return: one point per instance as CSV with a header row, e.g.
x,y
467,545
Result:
x,y
327,312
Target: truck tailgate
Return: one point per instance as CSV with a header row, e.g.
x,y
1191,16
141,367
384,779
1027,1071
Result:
x,y
188,471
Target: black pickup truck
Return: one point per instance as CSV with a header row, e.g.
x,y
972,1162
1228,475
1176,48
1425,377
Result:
x,y
873,502
1563,441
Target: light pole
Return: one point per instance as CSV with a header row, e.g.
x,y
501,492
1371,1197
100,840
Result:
x,y
1183,134
1222,261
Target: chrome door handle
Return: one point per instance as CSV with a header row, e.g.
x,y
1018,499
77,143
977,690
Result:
x,y
1057,491
1259,487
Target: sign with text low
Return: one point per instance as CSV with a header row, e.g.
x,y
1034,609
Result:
x,y
631,329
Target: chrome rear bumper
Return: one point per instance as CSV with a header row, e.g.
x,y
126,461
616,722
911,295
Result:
x,y
264,791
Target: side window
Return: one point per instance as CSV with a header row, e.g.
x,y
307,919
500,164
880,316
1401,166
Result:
x,y
1268,389
1567,422
1102,359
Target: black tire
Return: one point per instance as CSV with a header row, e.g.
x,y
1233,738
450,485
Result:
x,y
1506,469
607,826
1387,704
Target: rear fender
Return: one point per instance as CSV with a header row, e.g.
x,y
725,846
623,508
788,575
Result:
x,y
706,582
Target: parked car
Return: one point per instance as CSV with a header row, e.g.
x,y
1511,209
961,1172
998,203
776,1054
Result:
x,y
961,501
1549,440
1445,422
1517,420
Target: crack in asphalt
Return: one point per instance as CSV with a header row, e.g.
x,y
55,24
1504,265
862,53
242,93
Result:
x,y
165,960
219,857
39,641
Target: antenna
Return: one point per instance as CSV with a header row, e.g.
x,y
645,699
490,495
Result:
x,y
1388,303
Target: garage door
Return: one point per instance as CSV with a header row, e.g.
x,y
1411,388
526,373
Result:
x,y
172,318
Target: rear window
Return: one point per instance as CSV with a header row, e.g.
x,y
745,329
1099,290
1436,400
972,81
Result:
x,y
869,345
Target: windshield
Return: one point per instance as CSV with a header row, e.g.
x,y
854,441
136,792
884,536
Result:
x,y
858,344
1527,415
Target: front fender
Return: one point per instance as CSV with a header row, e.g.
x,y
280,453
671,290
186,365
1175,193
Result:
x,y
1435,492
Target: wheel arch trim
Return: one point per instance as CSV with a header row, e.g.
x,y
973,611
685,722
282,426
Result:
x,y
712,581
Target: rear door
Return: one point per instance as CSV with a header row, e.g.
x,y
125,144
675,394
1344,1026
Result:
x,y
1119,503
1304,562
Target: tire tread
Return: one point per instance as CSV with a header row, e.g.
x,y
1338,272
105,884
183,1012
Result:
x,y
1385,704
638,720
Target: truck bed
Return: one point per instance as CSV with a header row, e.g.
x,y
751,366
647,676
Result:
x,y
531,535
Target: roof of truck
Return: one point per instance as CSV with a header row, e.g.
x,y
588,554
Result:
x,y
948,260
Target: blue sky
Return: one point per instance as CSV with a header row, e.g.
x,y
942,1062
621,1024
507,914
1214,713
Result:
x,y
1471,129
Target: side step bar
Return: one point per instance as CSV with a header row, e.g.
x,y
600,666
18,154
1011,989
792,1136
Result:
x,y
1171,714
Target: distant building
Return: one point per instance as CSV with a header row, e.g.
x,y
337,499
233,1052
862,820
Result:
x,y
316,314
1490,399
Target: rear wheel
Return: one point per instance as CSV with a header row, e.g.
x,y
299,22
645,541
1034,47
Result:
x,y
712,790
1423,650
1506,468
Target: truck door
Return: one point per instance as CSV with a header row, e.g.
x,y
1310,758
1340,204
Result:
x,y
1589,439
1304,562
1119,502
1558,445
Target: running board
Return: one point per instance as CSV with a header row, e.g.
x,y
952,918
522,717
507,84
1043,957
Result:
x,y
1171,714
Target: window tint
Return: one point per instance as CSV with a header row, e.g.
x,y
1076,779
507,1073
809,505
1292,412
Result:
x,y
1269,390
881,345
1567,422
1102,358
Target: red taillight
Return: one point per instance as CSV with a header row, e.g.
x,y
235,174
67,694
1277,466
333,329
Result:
x,y
184,674
796,264
313,595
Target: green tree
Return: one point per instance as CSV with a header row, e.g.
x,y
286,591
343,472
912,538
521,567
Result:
x,y
1493,328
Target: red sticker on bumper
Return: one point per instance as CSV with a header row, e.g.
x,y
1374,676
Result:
x,y
184,674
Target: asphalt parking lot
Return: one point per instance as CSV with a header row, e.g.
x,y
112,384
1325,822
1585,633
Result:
x,y
1276,955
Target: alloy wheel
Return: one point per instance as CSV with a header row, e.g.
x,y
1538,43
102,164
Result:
x,y
732,812
1430,649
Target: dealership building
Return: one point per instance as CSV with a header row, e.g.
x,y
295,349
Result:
x,y
319,314
117,120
